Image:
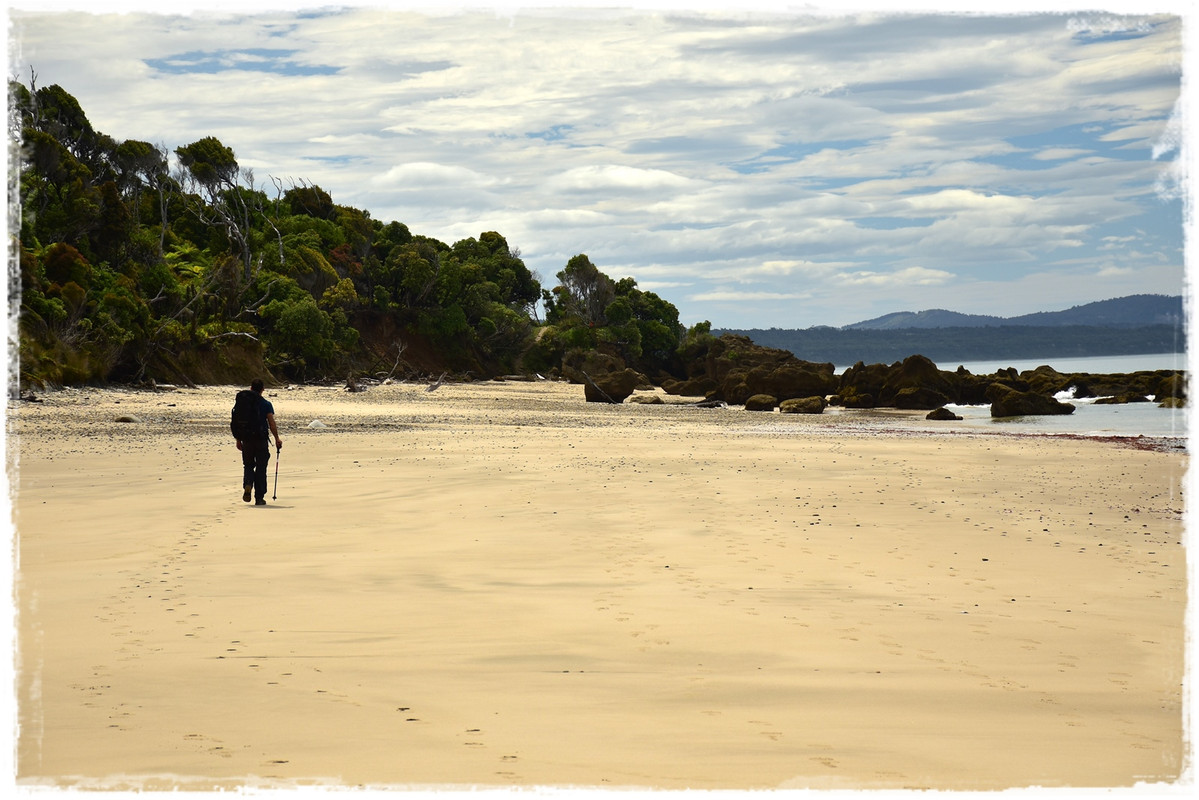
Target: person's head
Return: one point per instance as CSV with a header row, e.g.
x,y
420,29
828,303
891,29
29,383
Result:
x,y
256,385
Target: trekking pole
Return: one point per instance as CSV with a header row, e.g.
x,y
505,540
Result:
x,y
275,492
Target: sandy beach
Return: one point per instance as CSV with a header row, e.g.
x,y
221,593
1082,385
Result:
x,y
498,584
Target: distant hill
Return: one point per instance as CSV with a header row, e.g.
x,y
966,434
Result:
x,y
1122,312
1123,326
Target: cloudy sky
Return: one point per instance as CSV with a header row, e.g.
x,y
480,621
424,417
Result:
x,y
755,167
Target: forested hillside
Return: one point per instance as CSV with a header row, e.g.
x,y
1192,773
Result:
x,y
137,267
1134,311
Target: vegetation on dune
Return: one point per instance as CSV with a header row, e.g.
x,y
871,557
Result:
x,y
133,271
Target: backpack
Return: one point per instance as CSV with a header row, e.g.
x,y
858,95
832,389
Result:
x,y
244,422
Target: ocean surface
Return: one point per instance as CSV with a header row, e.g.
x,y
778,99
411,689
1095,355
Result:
x,y
1093,364
1088,419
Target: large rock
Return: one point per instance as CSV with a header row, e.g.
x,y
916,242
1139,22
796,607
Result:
x,y
647,399
862,381
919,398
691,387
803,405
916,372
1172,384
851,398
1008,402
914,383
761,402
613,387
733,368
942,413
793,379
1121,399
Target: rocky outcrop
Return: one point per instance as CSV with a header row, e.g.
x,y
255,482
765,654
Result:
x,y
803,405
942,413
851,398
919,398
916,372
914,383
734,369
861,384
700,386
1008,402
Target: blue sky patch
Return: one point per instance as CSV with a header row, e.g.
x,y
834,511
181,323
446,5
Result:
x,y
275,61
555,133
791,152
893,223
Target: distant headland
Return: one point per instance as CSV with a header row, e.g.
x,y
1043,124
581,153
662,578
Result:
x,y
1136,324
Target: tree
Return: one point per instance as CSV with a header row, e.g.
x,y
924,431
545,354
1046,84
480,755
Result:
x,y
211,168
583,293
312,201
140,166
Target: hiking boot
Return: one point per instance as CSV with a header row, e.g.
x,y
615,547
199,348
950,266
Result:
x,y
245,496
260,502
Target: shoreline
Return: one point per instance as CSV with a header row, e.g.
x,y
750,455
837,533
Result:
x,y
500,585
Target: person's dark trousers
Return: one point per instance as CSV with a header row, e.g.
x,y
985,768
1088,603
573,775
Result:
x,y
254,458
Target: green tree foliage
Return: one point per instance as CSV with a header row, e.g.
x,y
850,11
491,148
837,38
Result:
x,y
588,311
130,271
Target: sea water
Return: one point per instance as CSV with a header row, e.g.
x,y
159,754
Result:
x,y
1088,419
1126,419
1096,365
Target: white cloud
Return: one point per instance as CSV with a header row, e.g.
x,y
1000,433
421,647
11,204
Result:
x,y
742,296
1060,153
910,276
424,174
615,177
700,151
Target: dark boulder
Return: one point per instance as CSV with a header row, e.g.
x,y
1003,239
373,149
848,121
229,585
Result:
x,y
691,387
1171,385
920,398
732,368
942,413
916,372
851,398
733,389
1121,399
612,387
761,402
1044,380
914,383
864,381
803,405
793,379
1008,402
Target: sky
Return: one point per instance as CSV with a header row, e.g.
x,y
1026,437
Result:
x,y
756,165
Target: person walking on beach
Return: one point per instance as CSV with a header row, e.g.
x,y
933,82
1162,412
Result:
x,y
253,440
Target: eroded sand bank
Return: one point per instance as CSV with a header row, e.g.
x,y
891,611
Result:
x,y
499,584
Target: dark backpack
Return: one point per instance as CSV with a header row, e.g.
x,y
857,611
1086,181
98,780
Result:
x,y
244,423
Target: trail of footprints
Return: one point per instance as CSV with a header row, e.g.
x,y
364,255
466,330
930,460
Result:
x,y
163,579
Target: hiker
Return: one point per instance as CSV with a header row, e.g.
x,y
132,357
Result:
x,y
253,439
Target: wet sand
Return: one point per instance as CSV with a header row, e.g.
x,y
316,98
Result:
x,y
500,585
